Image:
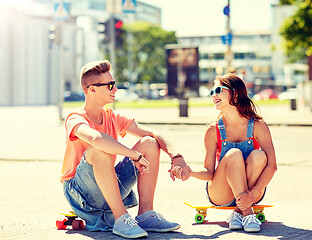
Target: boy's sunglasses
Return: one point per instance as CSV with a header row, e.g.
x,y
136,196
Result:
x,y
217,90
110,85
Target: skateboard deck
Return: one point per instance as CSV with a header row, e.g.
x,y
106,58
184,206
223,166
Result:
x,y
70,220
202,211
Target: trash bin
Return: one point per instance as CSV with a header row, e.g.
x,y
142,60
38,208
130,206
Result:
x,y
293,104
183,107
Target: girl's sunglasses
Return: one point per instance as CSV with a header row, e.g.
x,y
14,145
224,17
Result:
x,y
110,85
217,90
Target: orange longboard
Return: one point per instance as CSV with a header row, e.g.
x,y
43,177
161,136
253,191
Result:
x,y
202,211
70,220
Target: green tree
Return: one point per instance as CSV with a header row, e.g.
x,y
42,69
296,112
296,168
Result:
x,y
297,32
148,53
287,2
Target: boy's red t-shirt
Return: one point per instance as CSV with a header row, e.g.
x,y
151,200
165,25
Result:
x,y
114,124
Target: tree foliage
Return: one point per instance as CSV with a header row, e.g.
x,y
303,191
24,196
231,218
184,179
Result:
x,y
297,32
287,2
148,53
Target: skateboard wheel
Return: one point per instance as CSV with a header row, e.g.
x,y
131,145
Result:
x,y
260,217
78,224
199,218
60,224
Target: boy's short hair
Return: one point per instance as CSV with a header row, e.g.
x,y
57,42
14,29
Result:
x,y
91,70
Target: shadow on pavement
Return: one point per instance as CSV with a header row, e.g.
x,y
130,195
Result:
x,y
278,229
151,235
268,229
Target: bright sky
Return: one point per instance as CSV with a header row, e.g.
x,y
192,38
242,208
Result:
x,y
200,17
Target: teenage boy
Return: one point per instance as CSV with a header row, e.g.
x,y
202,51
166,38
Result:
x,y
98,191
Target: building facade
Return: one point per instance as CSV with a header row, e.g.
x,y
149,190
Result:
x,y
251,55
42,55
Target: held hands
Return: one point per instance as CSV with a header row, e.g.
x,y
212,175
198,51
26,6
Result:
x,y
179,169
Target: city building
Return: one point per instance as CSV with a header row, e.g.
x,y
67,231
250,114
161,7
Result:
x,y
251,55
44,43
283,71
258,57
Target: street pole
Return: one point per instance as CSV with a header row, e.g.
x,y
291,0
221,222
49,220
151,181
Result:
x,y
228,30
183,99
112,53
61,72
130,53
112,44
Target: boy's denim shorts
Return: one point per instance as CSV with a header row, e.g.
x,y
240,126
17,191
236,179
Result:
x,y
86,199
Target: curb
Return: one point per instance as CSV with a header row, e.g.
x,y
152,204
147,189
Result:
x,y
203,124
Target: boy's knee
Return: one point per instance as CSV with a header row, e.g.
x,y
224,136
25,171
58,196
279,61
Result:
x,y
148,146
150,143
93,154
148,140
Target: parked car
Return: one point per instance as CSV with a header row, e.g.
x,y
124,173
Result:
x,y
204,91
73,96
266,94
126,95
291,93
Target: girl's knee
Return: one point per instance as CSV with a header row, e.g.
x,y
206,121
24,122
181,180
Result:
x,y
234,155
257,157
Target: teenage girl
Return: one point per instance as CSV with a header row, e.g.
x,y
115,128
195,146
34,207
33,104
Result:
x,y
240,158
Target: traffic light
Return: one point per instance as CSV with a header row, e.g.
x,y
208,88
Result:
x,y
118,32
54,34
105,31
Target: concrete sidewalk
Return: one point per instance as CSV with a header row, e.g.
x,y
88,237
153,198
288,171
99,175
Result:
x,y
272,114
25,127
31,196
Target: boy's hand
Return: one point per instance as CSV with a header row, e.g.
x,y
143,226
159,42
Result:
x,y
143,165
179,169
183,173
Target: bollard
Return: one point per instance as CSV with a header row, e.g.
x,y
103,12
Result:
x,y
183,107
293,104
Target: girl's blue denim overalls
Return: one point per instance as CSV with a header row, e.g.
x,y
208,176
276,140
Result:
x,y
246,148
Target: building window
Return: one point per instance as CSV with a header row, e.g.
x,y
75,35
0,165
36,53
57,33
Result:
x,y
251,55
204,56
218,56
97,5
239,56
247,55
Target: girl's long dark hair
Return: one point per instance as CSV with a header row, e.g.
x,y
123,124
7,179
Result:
x,y
239,97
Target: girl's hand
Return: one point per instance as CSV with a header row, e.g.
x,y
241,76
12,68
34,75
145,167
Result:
x,y
180,172
244,201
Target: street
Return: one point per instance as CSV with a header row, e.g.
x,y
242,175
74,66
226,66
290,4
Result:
x,y
32,198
